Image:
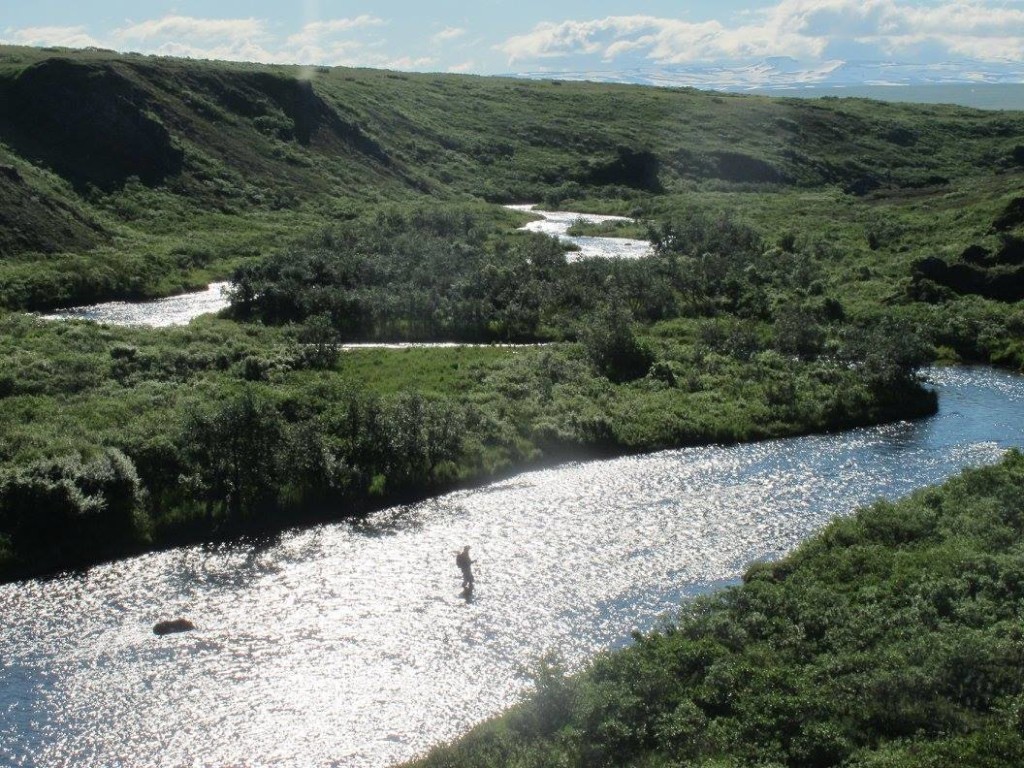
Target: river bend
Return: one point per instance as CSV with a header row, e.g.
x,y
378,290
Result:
x,y
349,644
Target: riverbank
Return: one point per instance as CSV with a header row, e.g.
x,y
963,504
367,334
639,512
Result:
x,y
142,439
137,438
891,638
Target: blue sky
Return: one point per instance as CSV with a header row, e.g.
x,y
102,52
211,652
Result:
x,y
498,36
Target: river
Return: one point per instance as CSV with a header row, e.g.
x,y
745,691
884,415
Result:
x,y
557,224
350,645
183,308
158,313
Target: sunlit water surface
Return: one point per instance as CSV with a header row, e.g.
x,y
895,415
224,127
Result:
x,y
349,644
557,223
158,313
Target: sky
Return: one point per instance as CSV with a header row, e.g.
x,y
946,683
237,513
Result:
x,y
502,36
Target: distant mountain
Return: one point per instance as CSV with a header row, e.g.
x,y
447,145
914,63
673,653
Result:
x,y
781,72
976,95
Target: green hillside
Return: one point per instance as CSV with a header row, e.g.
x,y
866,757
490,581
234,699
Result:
x,y
143,175
809,256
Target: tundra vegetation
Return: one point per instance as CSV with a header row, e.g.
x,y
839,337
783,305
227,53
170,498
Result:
x,y
809,257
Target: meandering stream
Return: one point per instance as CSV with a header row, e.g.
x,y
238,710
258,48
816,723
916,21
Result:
x,y
182,309
349,644
158,313
557,224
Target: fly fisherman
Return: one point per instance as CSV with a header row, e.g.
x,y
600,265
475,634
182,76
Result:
x,y
465,565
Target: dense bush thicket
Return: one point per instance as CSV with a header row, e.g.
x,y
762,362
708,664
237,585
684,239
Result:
x,y
70,510
782,298
419,274
218,429
442,273
159,159
893,638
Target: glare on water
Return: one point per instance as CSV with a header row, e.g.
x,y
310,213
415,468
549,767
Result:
x,y
159,313
182,309
350,644
557,224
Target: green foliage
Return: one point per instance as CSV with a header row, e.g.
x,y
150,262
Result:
x,y
348,207
195,166
321,340
409,273
699,232
890,639
611,343
232,426
233,447
890,352
781,299
70,510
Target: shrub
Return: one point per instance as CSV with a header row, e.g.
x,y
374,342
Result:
x,y
234,449
70,509
613,347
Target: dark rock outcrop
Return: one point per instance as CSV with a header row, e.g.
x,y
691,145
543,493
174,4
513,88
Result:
x,y
999,283
630,168
1012,216
172,626
862,186
1010,253
300,113
90,123
33,219
738,167
976,254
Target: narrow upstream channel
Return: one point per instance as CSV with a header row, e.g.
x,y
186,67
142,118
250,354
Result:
x,y
350,645
182,309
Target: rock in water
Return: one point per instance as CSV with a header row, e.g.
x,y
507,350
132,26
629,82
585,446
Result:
x,y
174,625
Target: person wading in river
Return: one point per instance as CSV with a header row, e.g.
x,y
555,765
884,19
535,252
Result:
x,y
465,565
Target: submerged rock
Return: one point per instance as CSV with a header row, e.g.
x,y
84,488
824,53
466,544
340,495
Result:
x,y
172,626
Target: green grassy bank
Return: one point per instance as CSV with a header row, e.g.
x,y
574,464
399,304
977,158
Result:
x,y
118,440
810,255
133,176
892,638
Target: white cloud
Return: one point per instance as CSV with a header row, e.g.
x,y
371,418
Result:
x,y
408,63
804,29
448,34
340,41
811,31
318,30
659,39
190,27
200,38
70,37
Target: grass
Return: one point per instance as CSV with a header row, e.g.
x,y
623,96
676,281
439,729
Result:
x,y
264,157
